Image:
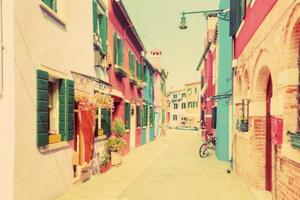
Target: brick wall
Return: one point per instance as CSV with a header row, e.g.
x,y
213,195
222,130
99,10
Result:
x,y
287,180
250,153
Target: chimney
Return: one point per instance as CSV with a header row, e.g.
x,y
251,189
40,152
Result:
x,y
155,57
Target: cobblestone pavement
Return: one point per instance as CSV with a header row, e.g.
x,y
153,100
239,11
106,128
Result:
x,y
166,169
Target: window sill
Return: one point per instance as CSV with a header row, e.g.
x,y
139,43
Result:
x,y
50,148
53,14
100,138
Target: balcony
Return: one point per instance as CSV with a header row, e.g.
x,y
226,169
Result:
x,y
121,73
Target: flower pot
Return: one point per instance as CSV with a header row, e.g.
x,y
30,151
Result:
x,y
120,72
116,158
54,138
103,169
295,141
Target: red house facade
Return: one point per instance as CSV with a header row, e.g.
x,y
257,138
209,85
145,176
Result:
x,y
207,68
125,60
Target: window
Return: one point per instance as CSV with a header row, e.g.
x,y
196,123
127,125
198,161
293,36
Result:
x,y
183,105
196,90
196,104
131,64
53,106
127,115
175,96
138,116
190,104
55,113
51,4
189,91
145,74
103,122
175,106
214,118
100,27
118,50
151,116
175,117
183,95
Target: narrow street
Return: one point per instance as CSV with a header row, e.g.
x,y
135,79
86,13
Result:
x,y
168,168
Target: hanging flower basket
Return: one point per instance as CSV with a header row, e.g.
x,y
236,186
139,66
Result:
x,y
295,140
121,73
243,126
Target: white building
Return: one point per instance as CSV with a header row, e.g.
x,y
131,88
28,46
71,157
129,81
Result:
x,y
44,42
177,108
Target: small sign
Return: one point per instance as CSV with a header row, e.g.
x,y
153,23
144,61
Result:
x,y
276,130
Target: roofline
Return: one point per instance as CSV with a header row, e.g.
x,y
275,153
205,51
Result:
x,y
203,55
120,3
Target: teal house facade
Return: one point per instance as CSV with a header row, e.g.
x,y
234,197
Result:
x,y
148,101
224,87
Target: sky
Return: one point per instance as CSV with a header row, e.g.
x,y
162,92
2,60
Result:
x,y
157,21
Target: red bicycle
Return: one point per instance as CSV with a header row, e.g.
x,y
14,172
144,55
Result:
x,y
209,144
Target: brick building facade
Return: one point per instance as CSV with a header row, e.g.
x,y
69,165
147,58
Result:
x,y
266,88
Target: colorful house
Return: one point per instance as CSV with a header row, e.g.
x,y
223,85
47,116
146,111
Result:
x,y
39,92
177,108
125,72
160,93
224,88
208,73
148,98
266,92
192,91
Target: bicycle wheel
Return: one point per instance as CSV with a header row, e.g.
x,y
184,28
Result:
x,y
203,151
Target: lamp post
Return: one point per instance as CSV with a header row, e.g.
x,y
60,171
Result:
x,y
223,14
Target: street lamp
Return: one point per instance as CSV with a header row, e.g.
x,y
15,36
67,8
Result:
x,y
223,14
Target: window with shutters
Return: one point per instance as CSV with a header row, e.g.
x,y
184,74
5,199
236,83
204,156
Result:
x,y
99,27
51,4
175,106
145,115
174,117
151,116
127,115
183,105
118,50
103,122
53,105
55,109
132,64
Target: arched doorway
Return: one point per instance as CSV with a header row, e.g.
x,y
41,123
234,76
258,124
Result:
x,y
269,156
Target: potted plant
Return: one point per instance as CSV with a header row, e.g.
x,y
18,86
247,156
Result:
x,y
105,163
295,139
243,124
118,128
114,146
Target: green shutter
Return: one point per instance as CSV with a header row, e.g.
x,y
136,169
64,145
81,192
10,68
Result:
x,y
95,17
137,70
243,3
42,108
151,116
106,121
62,109
116,49
127,115
120,52
70,102
131,64
103,33
54,5
66,109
